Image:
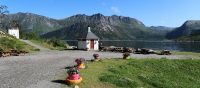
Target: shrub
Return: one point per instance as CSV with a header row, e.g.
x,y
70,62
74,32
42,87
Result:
x,y
56,42
126,55
1,49
52,43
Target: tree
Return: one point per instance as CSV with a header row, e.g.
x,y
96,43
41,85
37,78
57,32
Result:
x,y
3,12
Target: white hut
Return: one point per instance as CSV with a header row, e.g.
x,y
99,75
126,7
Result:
x,y
14,32
89,42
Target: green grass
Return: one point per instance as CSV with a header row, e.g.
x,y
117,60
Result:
x,y
190,55
95,70
186,53
52,43
138,73
57,45
7,44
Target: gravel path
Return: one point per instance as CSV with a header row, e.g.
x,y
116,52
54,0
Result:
x,y
37,70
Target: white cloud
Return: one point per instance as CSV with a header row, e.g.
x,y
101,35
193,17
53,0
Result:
x,y
115,9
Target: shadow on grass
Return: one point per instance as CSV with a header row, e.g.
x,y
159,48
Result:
x,y
61,82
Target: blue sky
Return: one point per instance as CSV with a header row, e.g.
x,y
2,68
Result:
x,y
170,13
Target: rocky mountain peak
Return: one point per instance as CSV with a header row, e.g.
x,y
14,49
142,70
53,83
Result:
x,y
190,27
79,15
97,15
192,24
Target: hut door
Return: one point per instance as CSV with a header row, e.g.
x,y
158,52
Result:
x,y
91,44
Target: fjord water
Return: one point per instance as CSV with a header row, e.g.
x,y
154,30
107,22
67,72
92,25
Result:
x,y
156,45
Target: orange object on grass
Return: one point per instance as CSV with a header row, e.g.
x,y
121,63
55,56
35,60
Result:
x,y
81,66
74,81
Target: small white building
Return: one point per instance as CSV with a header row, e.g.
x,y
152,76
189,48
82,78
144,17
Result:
x,y
14,32
89,41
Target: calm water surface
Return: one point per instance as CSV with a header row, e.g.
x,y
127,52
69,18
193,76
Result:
x,y
156,45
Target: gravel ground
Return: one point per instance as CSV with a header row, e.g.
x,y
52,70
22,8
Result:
x,y
38,70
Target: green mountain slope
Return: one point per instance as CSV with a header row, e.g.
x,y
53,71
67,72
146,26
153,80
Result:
x,y
106,27
30,22
189,31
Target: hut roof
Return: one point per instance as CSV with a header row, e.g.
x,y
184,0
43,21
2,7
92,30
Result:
x,y
89,35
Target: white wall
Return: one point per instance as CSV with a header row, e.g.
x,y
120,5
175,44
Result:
x,y
86,44
14,32
96,44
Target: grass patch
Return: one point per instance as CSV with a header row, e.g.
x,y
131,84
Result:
x,y
147,73
7,44
187,53
51,43
95,70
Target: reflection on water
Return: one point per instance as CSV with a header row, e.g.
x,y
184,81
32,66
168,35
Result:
x,y
156,45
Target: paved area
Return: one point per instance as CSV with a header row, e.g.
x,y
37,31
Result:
x,y
38,70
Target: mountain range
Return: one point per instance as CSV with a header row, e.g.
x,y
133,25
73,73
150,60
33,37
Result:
x,y
106,27
190,30
30,22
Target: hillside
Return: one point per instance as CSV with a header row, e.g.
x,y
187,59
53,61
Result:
x,y
190,30
161,28
8,43
30,22
106,27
